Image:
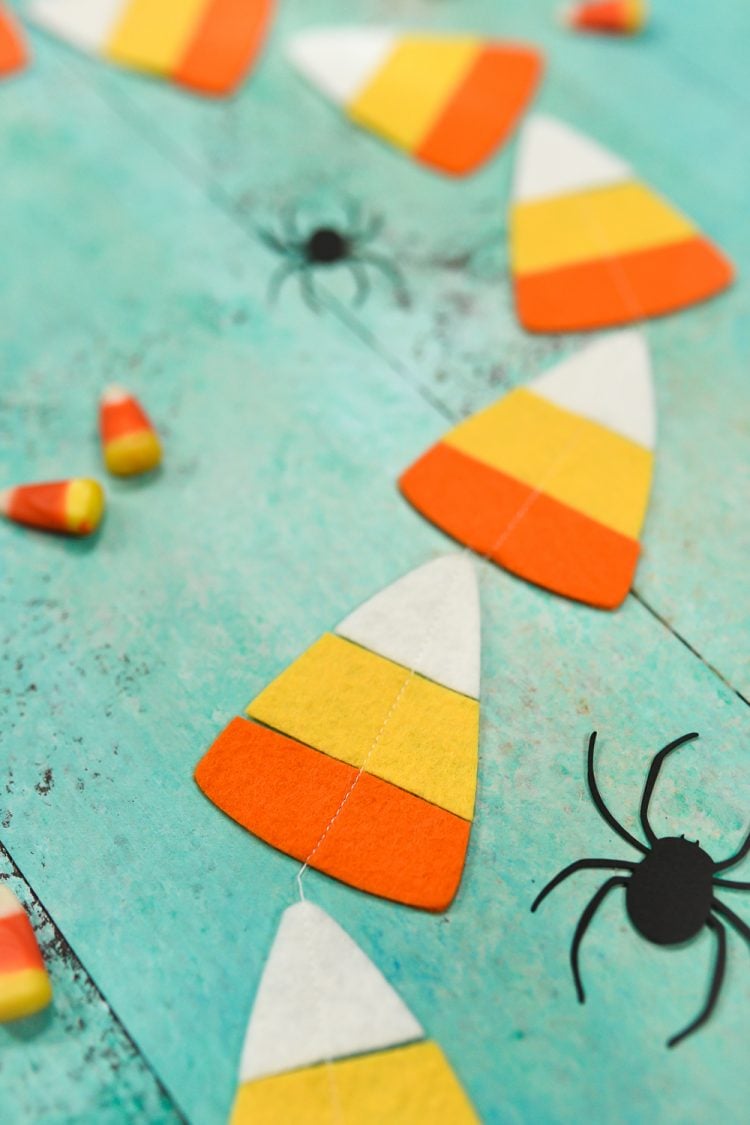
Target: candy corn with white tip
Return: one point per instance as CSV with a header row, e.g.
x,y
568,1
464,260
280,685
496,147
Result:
x,y
24,985
610,17
330,1040
129,440
72,507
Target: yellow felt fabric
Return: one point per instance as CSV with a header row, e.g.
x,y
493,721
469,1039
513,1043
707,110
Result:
x,y
409,92
337,696
590,225
411,1085
154,34
578,462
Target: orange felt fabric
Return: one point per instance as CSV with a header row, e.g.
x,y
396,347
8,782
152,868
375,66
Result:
x,y
225,45
18,945
623,289
536,537
40,505
385,841
13,55
119,418
483,110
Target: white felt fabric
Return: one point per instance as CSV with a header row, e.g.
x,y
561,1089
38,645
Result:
x,y
428,621
9,904
608,382
340,61
320,998
87,24
554,159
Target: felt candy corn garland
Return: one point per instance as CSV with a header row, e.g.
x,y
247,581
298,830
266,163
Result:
x,y
24,984
448,101
552,481
610,17
329,1039
13,54
591,246
361,758
206,45
71,507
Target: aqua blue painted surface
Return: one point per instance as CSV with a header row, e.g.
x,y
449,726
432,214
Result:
x,y
128,214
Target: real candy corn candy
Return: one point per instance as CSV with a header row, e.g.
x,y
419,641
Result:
x,y
72,507
612,17
24,985
206,45
448,101
13,55
129,440
330,1040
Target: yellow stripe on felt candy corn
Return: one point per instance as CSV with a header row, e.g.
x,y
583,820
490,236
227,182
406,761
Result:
x,y
411,89
589,225
154,34
335,698
412,1085
84,505
580,463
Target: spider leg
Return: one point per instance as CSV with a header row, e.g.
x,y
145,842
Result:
x,y
653,774
388,269
713,992
359,273
290,222
309,292
601,808
584,923
285,270
272,241
580,865
733,919
736,857
371,229
732,884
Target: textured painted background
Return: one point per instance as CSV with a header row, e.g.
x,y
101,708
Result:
x,y
128,220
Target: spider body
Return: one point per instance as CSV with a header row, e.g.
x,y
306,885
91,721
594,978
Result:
x,y
325,247
669,893
668,897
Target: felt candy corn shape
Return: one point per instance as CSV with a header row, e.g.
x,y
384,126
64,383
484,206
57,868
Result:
x,y
552,481
330,1040
591,246
360,759
13,55
24,984
448,101
206,45
72,507
129,440
611,17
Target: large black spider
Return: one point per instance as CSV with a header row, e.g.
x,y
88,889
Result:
x,y
669,893
324,247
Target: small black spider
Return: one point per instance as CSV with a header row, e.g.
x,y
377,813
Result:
x,y
669,895
325,247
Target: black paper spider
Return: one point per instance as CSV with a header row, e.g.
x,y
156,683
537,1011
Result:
x,y
325,247
669,894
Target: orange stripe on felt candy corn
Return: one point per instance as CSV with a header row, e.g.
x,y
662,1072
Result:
x,y
24,985
13,54
129,440
613,17
72,507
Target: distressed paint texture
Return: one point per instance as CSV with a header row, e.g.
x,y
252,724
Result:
x,y
129,251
